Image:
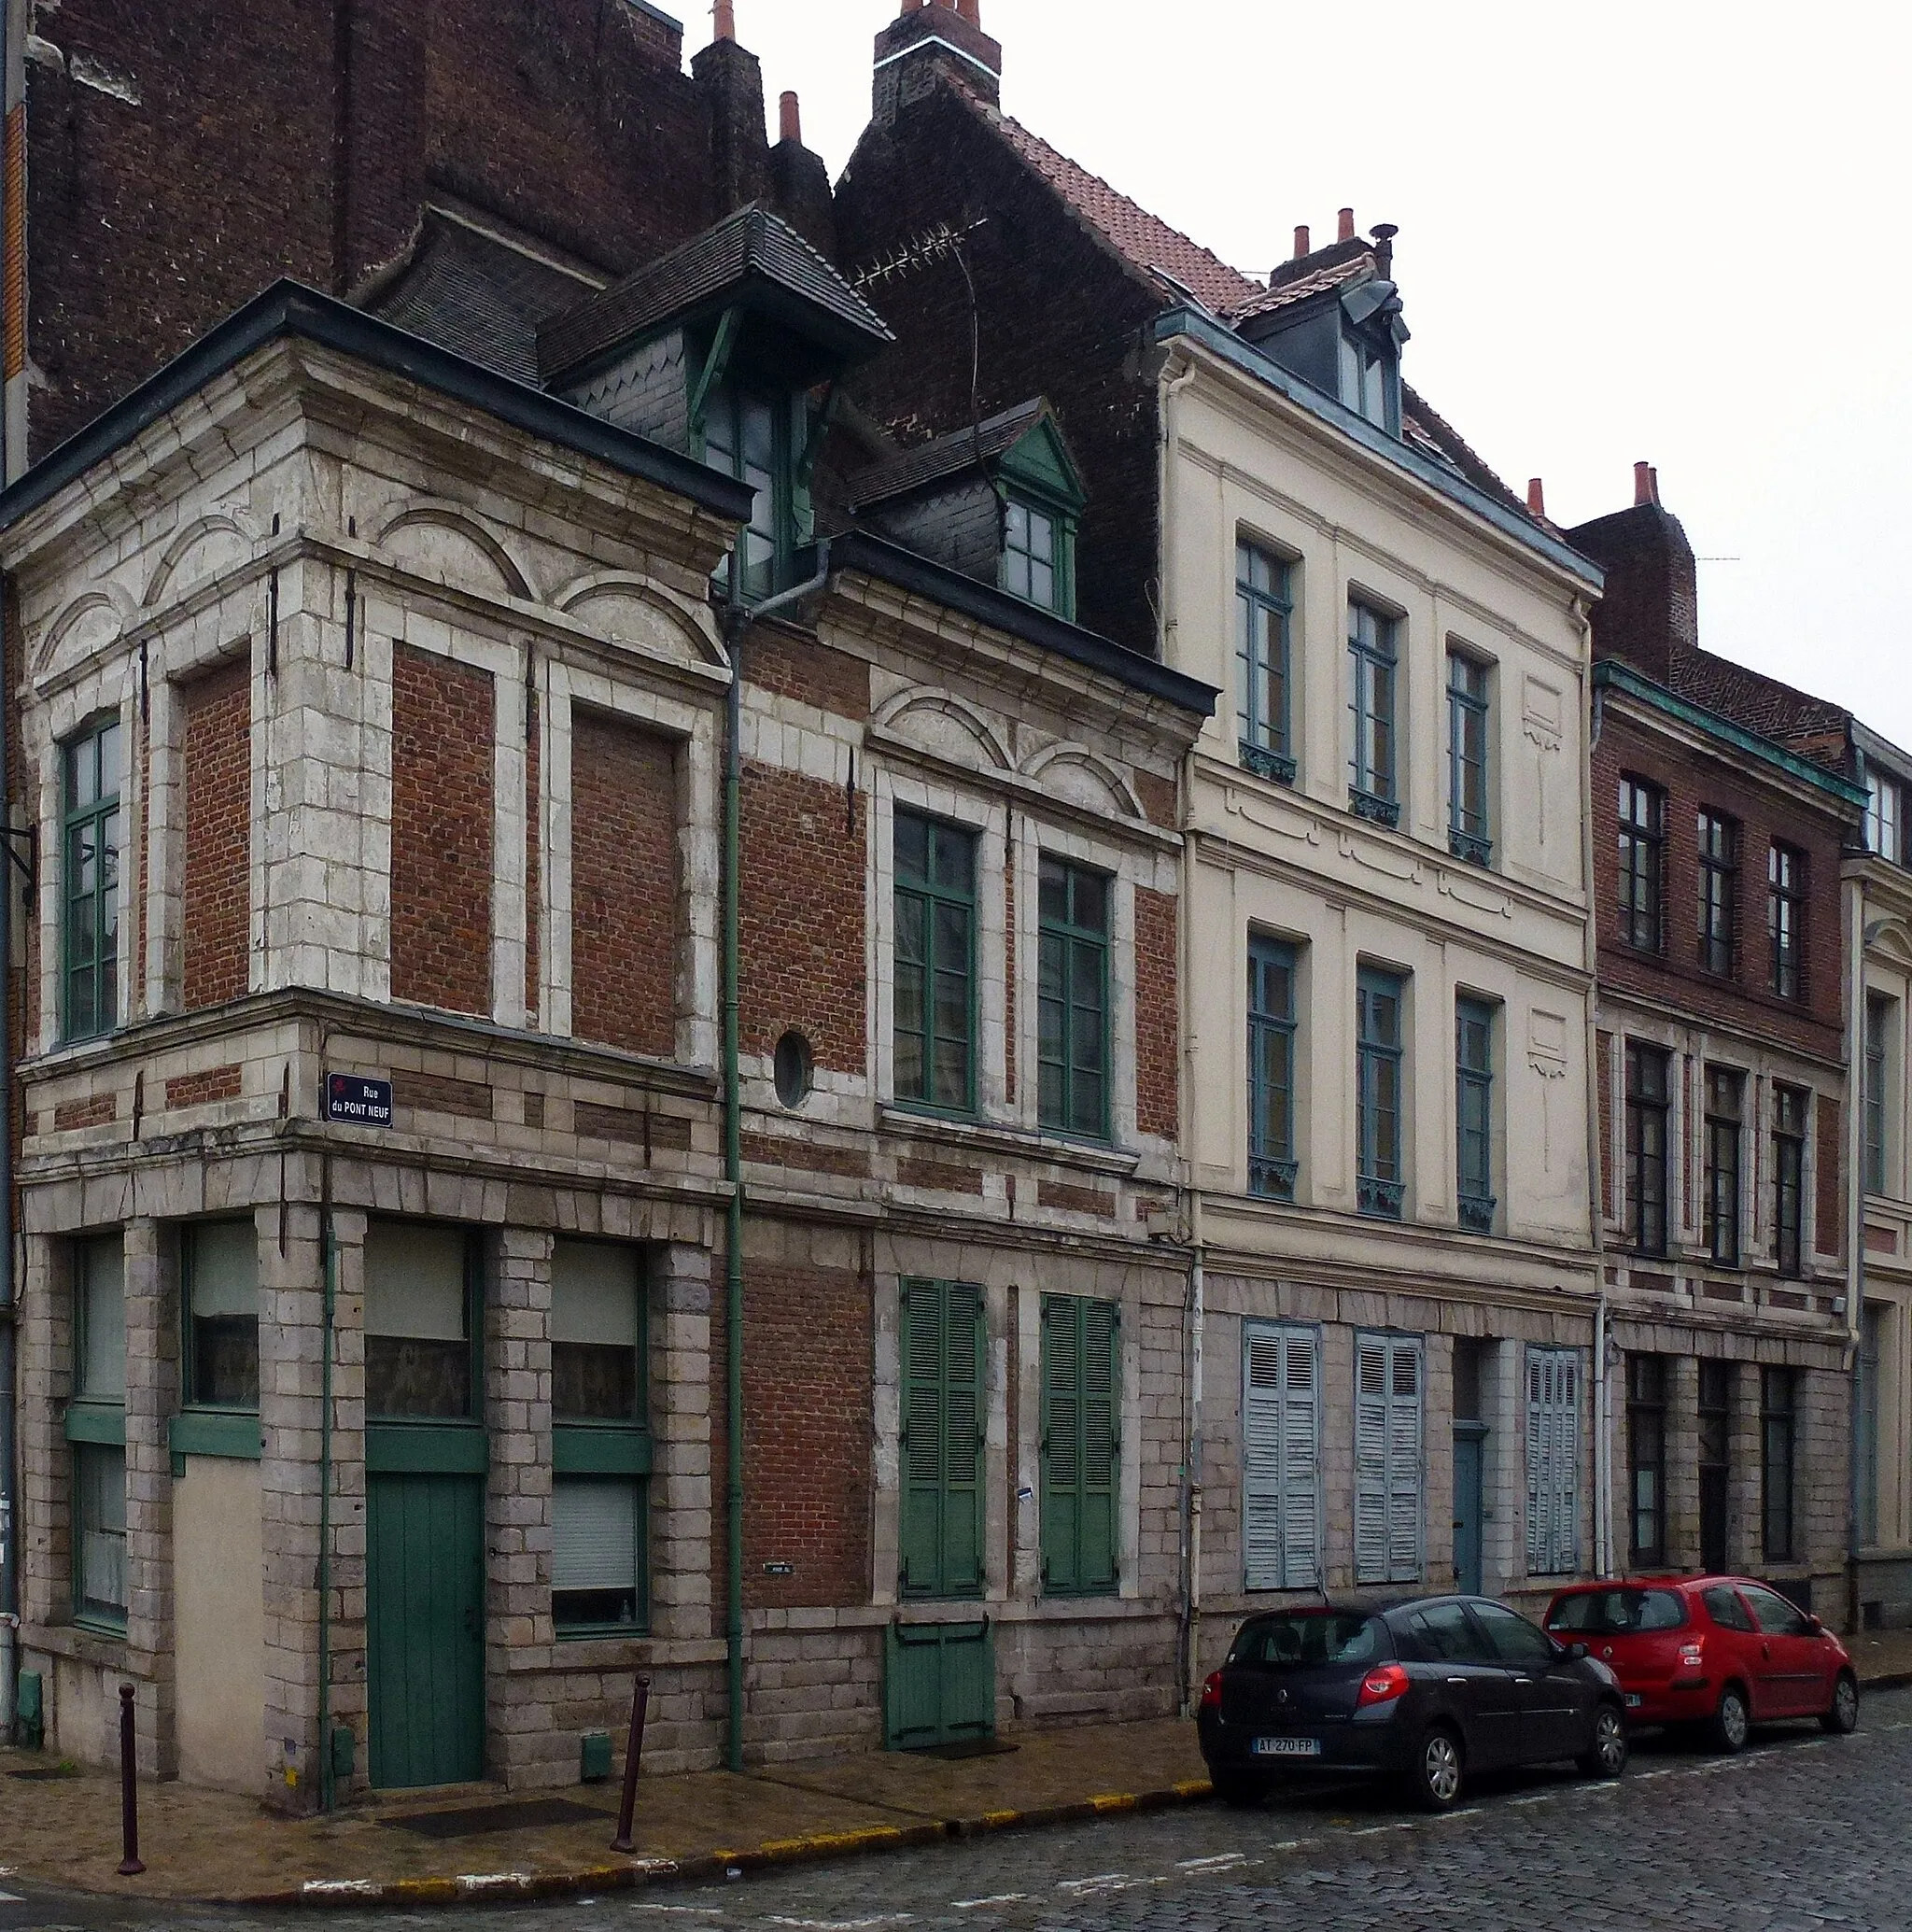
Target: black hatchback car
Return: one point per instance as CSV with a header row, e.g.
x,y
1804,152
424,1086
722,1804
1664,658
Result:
x,y
1426,1692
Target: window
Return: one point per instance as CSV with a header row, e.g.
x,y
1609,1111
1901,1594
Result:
x,y
1646,1149
934,990
420,1347
1646,1456
1789,1178
1715,1461
1778,1617
1553,1532
1445,1633
1719,913
1725,1099
1272,1163
96,1430
1367,382
1281,1452
1388,1479
1885,818
748,437
1468,836
942,1352
1775,1393
1371,667
219,1288
1073,999
1081,1412
1642,846
90,832
1262,610
1516,1643
1473,1063
600,1438
1879,1022
1379,1183
1865,1442
1726,1610
1786,920
1031,554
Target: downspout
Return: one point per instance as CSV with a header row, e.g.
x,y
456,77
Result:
x,y
1597,1074
330,1249
1855,1226
10,1491
738,615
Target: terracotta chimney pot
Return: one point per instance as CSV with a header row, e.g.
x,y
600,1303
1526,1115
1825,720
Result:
x,y
1643,489
1536,498
726,13
789,118
1300,240
1346,231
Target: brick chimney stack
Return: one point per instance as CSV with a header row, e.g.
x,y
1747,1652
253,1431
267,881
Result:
x,y
1300,240
788,119
1346,231
1649,613
800,183
929,38
726,21
731,81
1537,496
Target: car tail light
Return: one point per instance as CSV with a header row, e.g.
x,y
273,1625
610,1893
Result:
x,y
1382,1686
1692,1656
1211,1691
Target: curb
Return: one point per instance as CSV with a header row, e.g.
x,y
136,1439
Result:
x,y
1887,1680
813,1848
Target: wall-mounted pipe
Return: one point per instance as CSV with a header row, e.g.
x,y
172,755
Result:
x,y
9,1463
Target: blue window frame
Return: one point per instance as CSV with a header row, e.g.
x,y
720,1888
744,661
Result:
x,y
1379,1066
1467,700
1262,612
1272,1165
1473,1072
1373,668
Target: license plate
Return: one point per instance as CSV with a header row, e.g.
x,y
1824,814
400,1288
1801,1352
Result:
x,y
1634,1701
1287,1748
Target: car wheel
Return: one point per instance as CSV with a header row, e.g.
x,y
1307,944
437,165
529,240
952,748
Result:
x,y
1437,1771
1843,1718
1240,1790
1731,1723
1607,1756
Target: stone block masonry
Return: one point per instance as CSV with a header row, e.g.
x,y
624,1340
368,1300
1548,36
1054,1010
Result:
x,y
218,833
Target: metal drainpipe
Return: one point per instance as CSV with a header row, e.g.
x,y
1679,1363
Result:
x,y
737,617
329,1252
1603,1444
1855,1230
9,1525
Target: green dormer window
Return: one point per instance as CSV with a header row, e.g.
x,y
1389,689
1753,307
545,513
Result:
x,y
749,437
1031,554
1369,381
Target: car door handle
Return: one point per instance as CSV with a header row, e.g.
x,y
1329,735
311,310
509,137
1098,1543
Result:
x,y
1457,1680
1526,1682
1766,1650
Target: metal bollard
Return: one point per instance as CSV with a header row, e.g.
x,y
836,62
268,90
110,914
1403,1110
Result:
x,y
633,1750
130,1866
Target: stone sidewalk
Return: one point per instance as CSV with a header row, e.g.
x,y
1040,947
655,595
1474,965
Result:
x,y
64,1829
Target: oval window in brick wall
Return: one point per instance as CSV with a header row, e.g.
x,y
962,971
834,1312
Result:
x,y
795,1069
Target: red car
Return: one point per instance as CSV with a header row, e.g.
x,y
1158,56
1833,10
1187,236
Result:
x,y
1721,1652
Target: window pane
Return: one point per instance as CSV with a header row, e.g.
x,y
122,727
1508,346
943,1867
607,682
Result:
x,y
596,1564
100,1271
222,1298
417,1344
99,1565
597,1333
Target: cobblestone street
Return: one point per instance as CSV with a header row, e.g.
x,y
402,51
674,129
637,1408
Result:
x,y
1803,1831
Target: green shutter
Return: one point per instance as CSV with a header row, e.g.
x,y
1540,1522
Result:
x,y
1081,1380
942,1439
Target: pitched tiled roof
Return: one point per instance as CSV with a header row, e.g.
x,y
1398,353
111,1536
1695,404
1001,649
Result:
x,y
1425,426
1141,239
752,244
1811,725
1355,263
944,456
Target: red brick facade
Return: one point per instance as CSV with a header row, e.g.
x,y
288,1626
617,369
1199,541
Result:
x,y
443,738
625,915
218,824
1157,1015
780,659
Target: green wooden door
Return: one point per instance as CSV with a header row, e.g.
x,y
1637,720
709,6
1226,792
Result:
x,y
424,1610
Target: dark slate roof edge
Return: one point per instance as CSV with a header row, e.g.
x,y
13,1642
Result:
x,y
1614,674
946,455
290,308
857,550
1245,356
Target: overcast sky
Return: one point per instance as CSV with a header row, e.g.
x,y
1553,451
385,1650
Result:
x,y
1670,231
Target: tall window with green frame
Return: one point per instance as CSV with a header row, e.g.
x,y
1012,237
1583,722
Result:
x,y
943,1352
1039,555
600,1439
1272,1166
1081,1413
935,983
749,437
1263,608
89,934
1371,675
1469,836
220,1302
1073,999
1879,1023
1379,1186
1473,1076
95,1424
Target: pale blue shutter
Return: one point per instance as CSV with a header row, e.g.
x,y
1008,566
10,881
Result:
x,y
1370,1460
1300,1463
1405,1483
1552,1538
1388,1459
1281,1429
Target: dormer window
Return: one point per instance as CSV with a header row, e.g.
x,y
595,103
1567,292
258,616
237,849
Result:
x,y
1369,382
1030,543
749,437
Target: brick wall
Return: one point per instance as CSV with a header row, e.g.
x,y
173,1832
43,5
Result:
x,y
1158,1029
802,916
442,736
780,659
1603,1085
218,825
625,896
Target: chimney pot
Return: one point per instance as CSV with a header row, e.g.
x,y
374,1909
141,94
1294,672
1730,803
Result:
x,y
726,13
1536,498
1645,486
1300,240
1346,231
789,118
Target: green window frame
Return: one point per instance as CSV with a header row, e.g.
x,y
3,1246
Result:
x,y
933,987
1264,609
1380,1188
1879,1022
1272,1165
1081,1442
219,1316
95,1428
90,914
1039,554
600,1439
1473,1073
1373,670
753,435
423,1366
1469,717
943,1350
1072,1053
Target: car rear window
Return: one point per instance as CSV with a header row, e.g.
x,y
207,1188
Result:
x,y
1307,1639
1618,1613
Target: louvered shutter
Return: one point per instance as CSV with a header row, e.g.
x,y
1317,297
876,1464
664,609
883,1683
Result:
x,y
1281,1511
1301,1460
1062,1440
1389,1476
1370,1460
922,1437
1101,1381
962,1565
1405,1483
1552,1538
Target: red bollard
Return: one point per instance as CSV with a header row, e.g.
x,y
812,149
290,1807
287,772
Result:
x,y
633,1750
130,1866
